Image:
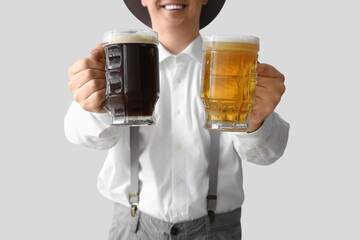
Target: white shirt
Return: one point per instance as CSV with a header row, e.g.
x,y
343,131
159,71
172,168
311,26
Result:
x,y
174,153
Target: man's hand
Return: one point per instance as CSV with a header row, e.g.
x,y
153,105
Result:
x,y
87,80
269,89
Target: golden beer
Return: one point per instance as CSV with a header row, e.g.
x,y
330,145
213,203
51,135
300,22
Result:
x,y
228,81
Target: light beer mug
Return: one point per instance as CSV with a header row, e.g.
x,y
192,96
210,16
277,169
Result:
x,y
132,76
229,81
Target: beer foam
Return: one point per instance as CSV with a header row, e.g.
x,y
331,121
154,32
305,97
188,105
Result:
x,y
237,39
244,43
132,36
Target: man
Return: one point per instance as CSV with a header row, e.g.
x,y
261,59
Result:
x,y
174,153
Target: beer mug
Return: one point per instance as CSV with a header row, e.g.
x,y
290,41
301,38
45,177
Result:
x,y
228,81
132,76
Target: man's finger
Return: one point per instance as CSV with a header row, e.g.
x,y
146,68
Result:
x,y
89,88
267,70
94,101
84,76
265,82
269,82
85,63
261,93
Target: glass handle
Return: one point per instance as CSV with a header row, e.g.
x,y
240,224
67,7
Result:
x,y
105,107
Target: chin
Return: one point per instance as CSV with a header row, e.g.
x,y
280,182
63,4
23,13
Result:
x,y
176,23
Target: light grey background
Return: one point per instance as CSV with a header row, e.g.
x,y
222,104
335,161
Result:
x,y
48,186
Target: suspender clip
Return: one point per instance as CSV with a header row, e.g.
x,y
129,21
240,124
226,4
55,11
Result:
x,y
134,200
133,210
211,216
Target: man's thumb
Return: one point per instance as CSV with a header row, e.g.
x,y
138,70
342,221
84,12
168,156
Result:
x,y
98,53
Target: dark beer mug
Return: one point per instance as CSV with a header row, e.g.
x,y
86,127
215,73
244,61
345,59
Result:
x,y
132,76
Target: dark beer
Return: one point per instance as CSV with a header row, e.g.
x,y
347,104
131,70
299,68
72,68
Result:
x,y
132,75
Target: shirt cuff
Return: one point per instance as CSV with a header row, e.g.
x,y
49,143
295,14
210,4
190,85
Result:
x,y
102,117
260,135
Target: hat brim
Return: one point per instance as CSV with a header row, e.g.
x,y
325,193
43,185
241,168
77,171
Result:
x,y
208,12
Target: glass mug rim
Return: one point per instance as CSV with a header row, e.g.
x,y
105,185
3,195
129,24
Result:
x,y
232,38
130,36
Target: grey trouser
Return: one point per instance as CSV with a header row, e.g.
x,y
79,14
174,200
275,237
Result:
x,y
226,226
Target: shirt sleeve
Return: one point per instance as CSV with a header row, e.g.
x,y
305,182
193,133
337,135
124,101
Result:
x,y
267,144
90,129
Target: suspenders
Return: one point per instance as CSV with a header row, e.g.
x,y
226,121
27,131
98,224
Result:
x,y
134,169
213,171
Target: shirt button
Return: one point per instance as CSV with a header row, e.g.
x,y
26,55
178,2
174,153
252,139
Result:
x,y
177,112
178,146
179,180
174,231
178,80
113,138
179,216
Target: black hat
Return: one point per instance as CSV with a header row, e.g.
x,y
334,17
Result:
x,y
208,12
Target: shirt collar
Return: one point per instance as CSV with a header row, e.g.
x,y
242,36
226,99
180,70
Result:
x,y
194,50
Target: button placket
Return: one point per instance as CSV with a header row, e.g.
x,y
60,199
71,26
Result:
x,y
179,163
